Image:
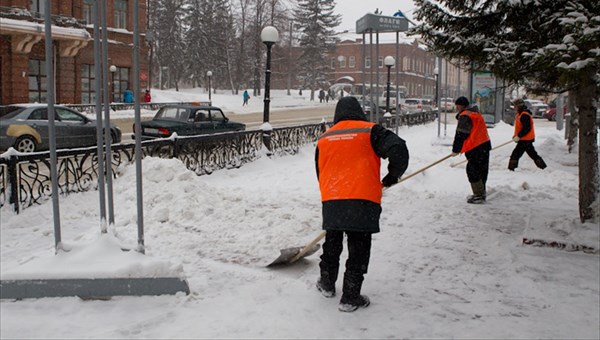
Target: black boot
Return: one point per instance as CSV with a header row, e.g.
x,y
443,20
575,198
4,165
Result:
x,y
478,196
351,298
326,283
540,163
513,164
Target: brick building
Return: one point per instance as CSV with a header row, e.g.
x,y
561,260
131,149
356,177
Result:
x,y
22,50
416,67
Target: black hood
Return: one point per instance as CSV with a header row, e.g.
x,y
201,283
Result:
x,y
348,108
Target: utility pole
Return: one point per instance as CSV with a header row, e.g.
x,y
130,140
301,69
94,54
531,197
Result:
x,y
289,82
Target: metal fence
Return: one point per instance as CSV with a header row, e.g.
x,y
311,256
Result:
x,y
25,178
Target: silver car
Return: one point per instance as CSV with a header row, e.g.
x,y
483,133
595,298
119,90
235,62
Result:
x,y
25,128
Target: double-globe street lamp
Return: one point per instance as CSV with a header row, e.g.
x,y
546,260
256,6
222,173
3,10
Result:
x,y
209,75
269,37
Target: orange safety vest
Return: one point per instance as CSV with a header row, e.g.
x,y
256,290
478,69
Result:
x,y
348,165
478,134
518,126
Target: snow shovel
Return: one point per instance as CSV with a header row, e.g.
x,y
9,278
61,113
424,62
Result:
x,y
291,255
494,148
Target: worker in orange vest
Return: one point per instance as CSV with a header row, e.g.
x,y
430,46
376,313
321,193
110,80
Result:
x,y
472,139
348,161
524,136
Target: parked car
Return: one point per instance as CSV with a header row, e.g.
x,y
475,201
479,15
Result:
x,y
188,120
412,105
25,128
537,107
447,105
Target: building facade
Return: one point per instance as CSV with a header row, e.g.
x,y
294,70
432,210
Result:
x,y
22,50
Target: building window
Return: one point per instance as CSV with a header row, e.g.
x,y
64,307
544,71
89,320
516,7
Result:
x,y
38,6
352,62
87,11
368,62
333,63
120,14
120,82
342,61
88,85
380,62
37,81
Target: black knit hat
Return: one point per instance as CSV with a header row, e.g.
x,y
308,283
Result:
x,y
348,108
463,101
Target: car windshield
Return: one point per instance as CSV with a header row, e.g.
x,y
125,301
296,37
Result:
x,y
411,101
172,113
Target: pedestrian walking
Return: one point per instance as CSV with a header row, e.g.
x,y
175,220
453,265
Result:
x,y
472,139
246,97
524,136
128,96
348,158
147,97
321,95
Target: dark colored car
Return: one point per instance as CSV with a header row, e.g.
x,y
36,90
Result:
x,y
25,128
188,120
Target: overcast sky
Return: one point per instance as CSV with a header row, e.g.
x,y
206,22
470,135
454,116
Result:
x,y
352,10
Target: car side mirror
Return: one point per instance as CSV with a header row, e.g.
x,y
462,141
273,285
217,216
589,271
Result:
x,y
226,120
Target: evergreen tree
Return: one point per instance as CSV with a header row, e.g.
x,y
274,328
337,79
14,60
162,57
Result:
x,y
548,46
168,16
316,21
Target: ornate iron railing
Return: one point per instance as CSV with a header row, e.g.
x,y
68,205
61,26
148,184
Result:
x,y
25,178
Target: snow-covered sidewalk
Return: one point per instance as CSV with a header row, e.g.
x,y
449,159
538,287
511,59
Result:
x,y
440,268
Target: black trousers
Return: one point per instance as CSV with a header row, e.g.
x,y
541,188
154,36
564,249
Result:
x,y
521,148
478,164
359,252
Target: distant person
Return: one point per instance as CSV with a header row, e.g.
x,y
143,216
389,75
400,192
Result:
x,y
524,136
246,97
321,95
327,97
300,92
472,139
147,97
128,96
348,163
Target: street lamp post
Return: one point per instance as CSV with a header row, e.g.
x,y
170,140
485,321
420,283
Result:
x,y
340,59
389,61
209,75
112,70
269,36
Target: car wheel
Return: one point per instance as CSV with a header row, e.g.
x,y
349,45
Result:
x,y
25,144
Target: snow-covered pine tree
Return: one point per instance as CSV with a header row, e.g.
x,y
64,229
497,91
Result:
x,y
167,22
316,21
548,46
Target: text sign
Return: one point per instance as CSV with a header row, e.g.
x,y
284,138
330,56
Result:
x,y
381,23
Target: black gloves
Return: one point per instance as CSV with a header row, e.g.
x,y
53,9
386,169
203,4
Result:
x,y
389,180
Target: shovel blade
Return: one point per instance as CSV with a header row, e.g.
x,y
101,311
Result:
x,y
287,255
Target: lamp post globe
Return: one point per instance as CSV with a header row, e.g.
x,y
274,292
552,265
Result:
x,y
388,61
113,69
209,75
269,36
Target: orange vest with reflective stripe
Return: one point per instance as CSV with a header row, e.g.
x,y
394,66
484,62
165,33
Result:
x,y
518,126
348,165
478,134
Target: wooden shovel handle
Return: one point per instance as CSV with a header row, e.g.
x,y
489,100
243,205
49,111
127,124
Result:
x,y
494,148
308,247
423,169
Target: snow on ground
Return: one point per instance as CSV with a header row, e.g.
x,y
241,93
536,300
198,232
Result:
x,y
228,102
440,268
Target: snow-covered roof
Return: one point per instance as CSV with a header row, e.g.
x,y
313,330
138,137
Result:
x,y
30,27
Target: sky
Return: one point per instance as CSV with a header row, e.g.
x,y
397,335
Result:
x,y
440,268
352,10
